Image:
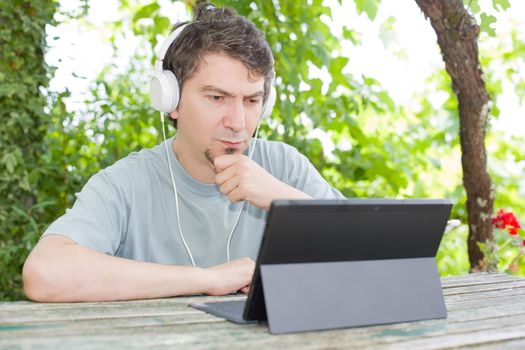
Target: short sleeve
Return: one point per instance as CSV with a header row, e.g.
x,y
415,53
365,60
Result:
x,y
99,217
305,177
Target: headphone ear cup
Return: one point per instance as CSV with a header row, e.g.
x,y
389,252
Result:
x,y
164,91
270,102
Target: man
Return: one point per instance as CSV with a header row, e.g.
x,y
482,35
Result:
x,y
159,224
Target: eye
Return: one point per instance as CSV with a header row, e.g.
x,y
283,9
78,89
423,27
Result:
x,y
253,101
216,98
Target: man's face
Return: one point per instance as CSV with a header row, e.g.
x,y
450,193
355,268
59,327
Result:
x,y
219,108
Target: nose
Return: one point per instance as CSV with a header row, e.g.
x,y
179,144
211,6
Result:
x,y
235,118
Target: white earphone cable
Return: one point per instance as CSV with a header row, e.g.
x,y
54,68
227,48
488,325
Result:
x,y
175,192
243,203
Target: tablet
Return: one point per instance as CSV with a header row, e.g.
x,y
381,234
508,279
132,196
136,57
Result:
x,y
308,233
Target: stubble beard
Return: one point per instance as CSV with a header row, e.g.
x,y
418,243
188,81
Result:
x,y
210,156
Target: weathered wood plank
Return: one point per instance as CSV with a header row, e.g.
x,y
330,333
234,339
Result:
x,y
483,277
518,344
63,312
166,307
470,303
6,306
460,340
464,321
28,312
161,307
484,295
229,335
485,287
484,310
72,311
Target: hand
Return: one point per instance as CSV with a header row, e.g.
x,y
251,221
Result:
x,y
231,277
242,179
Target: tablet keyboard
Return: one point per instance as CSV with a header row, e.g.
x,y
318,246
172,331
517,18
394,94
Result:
x,y
231,310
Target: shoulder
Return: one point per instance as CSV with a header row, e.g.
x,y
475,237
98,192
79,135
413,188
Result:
x,y
280,159
135,170
274,150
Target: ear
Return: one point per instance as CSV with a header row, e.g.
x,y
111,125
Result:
x,y
174,114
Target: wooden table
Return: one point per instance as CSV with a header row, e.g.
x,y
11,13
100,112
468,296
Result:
x,y
485,311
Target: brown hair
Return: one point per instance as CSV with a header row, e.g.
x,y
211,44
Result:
x,y
219,30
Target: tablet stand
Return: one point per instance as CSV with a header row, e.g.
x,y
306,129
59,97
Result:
x,y
326,295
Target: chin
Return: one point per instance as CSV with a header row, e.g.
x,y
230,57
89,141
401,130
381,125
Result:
x,y
234,151
212,154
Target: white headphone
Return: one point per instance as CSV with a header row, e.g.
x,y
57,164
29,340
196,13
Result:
x,y
165,87
165,96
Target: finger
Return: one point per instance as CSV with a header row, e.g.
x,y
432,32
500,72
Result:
x,y
224,175
245,290
230,185
224,161
237,195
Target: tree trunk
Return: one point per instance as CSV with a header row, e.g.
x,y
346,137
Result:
x,y
457,34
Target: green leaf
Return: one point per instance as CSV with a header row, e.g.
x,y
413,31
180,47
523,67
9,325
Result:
x,y
368,6
387,31
500,5
486,22
336,65
474,6
162,24
386,101
351,35
10,162
146,11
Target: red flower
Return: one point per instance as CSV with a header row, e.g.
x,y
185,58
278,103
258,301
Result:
x,y
506,220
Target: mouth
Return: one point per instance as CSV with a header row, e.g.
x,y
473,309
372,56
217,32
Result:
x,y
232,144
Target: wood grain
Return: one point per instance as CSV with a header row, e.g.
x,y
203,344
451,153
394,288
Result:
x,y
485,311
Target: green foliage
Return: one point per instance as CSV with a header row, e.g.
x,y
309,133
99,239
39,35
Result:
x,y
23,78
370,7
486,20
505,252
498,5
452,255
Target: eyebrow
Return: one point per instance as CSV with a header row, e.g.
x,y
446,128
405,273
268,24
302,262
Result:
x,y
211,88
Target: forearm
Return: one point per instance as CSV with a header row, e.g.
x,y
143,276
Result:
x,y
68,272
284,191
290,192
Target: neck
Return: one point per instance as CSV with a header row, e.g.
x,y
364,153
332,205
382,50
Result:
x,y
196,165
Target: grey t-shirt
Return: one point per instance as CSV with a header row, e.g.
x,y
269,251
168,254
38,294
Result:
x,y
128,209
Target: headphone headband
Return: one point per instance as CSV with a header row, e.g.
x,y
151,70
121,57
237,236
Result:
x,y
166,45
